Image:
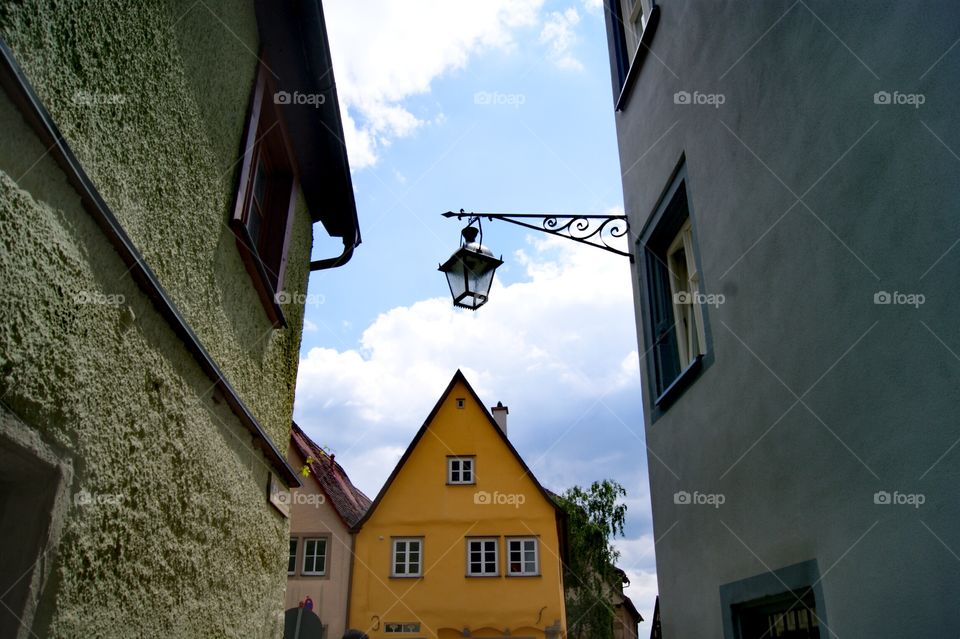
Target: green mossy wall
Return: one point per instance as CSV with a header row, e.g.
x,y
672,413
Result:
x,y
152,98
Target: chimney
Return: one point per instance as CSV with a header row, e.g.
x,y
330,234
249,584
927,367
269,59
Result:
x,y
500,413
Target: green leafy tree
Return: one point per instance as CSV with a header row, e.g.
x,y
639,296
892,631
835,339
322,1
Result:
x,y
594,518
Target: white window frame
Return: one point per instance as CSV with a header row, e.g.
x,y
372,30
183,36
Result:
x,y
685,293
461,460
325,555
523,557
483,561
634,14
296,549
406,553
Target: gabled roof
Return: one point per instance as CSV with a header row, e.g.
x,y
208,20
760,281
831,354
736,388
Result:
x,y
347,500
459,377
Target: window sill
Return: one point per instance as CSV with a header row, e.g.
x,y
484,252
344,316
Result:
x,y
258,275
524,576
406,576
460,483
481,576
308,575
638,58
683,380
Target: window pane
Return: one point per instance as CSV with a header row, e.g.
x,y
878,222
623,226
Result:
x,y
292,561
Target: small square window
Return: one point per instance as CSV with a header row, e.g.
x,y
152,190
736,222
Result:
x,y
265,201
314,556
523,556
483,557
407,558
460,470
292,560
461,402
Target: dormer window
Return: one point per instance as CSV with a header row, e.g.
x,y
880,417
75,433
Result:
x,y
460,470
263,213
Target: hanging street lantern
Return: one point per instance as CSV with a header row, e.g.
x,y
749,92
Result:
x,y
470,269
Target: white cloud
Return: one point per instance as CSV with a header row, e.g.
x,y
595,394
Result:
x,y
637,560
593,6
560,340
559,34
386,51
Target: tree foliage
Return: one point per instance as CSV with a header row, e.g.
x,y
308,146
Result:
x,y
594,518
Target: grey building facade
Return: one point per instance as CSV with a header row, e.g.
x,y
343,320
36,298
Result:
x,y
790,172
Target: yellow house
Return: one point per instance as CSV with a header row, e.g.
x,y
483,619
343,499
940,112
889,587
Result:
x,y
462,540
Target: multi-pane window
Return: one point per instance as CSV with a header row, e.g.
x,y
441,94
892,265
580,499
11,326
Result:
x,y
685,293
391,627
482,560
263,212
788,616
460,470
407,557
632,15
523,556
314,556
292,560
676,329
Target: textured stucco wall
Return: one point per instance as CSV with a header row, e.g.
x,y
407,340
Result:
x,y
882,411
152,97
179,541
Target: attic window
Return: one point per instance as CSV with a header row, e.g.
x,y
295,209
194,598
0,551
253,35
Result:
x,y
263,212
461,402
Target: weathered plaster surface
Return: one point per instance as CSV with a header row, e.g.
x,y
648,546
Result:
x,y
182,543
152,98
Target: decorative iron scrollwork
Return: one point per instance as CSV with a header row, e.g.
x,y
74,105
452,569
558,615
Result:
x,y
593,230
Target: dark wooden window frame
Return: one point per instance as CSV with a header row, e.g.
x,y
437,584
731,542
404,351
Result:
x,y
262,218
666,381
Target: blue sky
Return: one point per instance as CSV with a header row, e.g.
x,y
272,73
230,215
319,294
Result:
x,y
488,105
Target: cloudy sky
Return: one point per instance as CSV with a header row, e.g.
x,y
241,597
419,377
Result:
x,y
487,105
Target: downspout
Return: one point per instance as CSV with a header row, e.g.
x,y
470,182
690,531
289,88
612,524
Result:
x,y
334,262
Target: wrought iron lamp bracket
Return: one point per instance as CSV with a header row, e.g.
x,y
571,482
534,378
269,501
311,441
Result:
x,y
592,230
